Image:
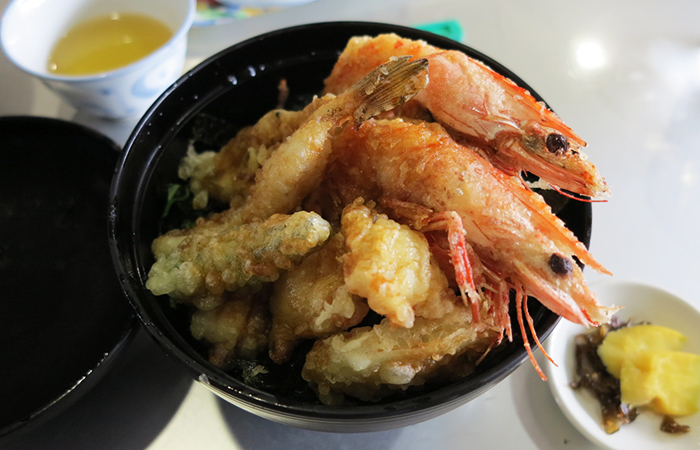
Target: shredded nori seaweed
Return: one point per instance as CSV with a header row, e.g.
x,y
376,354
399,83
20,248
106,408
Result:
x,y
281,379
669,425
178,212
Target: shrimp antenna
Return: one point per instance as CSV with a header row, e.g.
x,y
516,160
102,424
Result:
x,y
577,197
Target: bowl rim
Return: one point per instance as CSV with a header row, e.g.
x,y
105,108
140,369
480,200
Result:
x,y
157,54
448,395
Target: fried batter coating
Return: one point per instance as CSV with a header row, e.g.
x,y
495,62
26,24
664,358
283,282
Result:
x,y
296,168
311,301
198,265
364,53
369,363
511,228
391,265
236,329
228,174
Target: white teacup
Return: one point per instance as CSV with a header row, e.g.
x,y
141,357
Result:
x,y
30,29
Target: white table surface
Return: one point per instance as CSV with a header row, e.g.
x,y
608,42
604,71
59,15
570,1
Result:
x,y
624,74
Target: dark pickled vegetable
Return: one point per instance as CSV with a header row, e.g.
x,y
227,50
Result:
x,y
178,211
669,425
594,377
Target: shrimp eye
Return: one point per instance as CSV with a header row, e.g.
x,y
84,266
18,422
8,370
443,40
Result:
x,y
560,265
557,144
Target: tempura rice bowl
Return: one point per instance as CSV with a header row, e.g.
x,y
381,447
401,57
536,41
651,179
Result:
x,y
208,105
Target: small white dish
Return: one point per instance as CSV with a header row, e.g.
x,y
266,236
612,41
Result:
x,y
641,303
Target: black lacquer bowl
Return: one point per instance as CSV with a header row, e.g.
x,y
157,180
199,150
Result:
x,y
63,315
208,105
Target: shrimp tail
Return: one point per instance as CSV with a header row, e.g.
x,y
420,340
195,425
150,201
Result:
x,y
296,167
388,86
516,131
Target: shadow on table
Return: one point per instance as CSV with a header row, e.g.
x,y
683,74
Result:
x,y
126,410
253,432
19,99
117,130
540,414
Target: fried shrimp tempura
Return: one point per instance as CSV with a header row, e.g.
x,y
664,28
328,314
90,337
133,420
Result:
x,y
198,266
228,174
238,328
297,166
511,128
428,233
312,301
511,228
391,265
369,363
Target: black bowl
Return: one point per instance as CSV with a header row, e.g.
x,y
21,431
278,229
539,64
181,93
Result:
x,y
63,318
207,105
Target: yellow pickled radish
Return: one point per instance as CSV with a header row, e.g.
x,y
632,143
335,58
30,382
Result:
x,y
652,370
677,379
612,351
631,343
637,386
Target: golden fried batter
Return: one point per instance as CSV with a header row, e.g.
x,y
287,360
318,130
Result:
x,y
198,266
228,174
369,363
391,265
236,329
440,201
311,301
296,168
